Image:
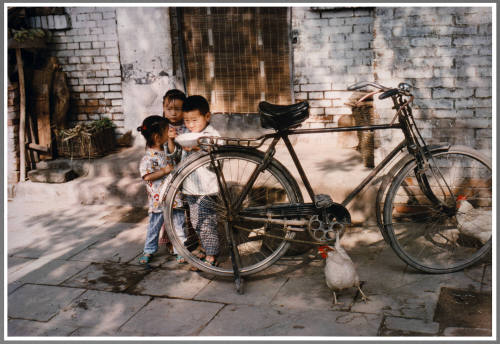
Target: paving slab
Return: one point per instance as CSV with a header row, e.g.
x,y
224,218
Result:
x,y
256,292
39,302
18,327
415,325
100,310
40,263
16,263
54,272
171,317
466,332
108,277
178,283
307,289
123,247
245,320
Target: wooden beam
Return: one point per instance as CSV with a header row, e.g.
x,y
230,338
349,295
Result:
x,y
22,119
37,147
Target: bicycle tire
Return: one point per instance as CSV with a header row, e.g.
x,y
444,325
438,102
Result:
x,y
432,238
386,183
257,252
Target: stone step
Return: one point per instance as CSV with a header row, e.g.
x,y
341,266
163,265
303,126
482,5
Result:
x,y
49,175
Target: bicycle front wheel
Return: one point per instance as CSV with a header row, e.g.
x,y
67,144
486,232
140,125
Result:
x,y
439,221
259,243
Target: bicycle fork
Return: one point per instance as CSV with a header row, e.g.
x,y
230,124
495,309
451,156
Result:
x,y
233,208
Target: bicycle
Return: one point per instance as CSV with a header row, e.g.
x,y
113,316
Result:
x,y
261,210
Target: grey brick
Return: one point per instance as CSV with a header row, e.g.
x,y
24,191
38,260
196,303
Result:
x,y
68,68
316,87
452,93
109,51
108,23
73,59
116,109
103,88
109,15
98,45
85,38
99,59
111,44
113,95
92,81
87,52
97,95
477,60
430,41
90,88
477,18
83,17
467,41
85,45
65,53
101,73
111,66
112,59
116,102
358,20
339,13
320,103
96,16
115,87
96,31
114,80
114,72
314,95
483,92
316,111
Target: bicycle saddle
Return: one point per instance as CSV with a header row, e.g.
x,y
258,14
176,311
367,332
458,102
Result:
x,y
281,117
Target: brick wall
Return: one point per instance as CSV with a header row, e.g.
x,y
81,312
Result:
x,y
88,53
444,52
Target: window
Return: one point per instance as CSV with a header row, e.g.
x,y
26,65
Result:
x,y
236,56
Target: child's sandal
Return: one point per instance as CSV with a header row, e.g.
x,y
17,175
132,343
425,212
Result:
x,y
199,253
145,259
180,260
210,262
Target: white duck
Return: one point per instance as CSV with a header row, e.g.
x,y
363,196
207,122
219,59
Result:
x,y
472,221
340,272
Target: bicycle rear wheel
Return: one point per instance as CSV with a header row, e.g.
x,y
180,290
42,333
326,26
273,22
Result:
x,y
428,224
259,244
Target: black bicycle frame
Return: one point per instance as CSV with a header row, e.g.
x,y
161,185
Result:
x,y
284,136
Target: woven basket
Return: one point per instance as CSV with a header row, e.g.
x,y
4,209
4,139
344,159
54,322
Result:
x,y
87,145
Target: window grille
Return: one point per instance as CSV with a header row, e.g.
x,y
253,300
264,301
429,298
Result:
x,y
236,56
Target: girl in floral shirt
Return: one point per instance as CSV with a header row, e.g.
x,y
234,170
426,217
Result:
x,y
154,168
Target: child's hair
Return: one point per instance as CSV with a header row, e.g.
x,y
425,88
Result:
x,y
174,94
152,126
196,103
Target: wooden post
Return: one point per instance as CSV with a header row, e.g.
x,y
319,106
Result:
x,y
22,115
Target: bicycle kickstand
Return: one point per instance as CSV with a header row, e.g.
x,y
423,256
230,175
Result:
x,y
235,258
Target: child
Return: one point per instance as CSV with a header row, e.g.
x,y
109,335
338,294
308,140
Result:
x,y
172,111
154,168
200,187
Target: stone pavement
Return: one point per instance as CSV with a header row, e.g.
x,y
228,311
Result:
x,y
72,271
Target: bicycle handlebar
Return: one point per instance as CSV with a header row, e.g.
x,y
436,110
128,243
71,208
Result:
x,y
402,88
389,93
362,84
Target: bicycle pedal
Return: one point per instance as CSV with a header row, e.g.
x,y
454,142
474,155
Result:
x,y
322,201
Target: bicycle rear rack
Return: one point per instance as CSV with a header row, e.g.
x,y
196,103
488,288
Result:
x,y
208,142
